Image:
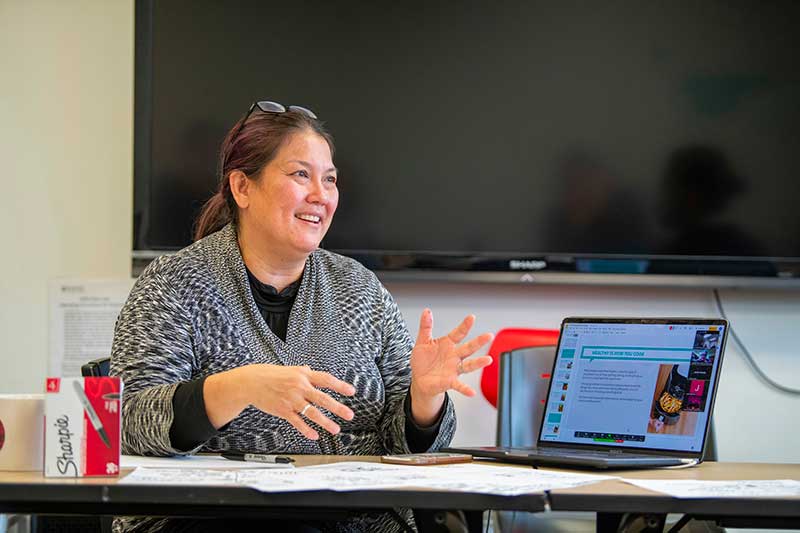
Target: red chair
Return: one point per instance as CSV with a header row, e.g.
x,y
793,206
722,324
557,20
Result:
x,y
510,339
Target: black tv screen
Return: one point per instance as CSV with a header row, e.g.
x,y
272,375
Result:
x,y
491,137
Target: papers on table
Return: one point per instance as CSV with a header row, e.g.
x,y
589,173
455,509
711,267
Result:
x,y
478,478
193,462
197,477
351,476
475,478
685,488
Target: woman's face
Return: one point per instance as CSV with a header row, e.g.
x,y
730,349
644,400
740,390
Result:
x,y
293,201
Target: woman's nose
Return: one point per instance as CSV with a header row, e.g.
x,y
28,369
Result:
x,y
318,193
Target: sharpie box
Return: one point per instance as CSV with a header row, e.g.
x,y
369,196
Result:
x,y
82,426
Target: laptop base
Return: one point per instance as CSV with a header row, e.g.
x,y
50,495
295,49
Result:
x,y
560,457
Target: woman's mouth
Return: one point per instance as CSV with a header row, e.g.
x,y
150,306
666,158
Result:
x,y
313,219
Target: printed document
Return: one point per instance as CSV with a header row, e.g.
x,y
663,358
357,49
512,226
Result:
x,y
82,317
350,476
193,462
685,488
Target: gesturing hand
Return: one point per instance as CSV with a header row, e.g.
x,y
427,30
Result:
x,y
437,363
289,392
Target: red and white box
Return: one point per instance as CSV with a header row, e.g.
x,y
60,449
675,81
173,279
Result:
x,y
82,426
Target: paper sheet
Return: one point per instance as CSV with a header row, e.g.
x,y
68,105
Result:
x,y
477,478
197,477
350,476
684,488
193,462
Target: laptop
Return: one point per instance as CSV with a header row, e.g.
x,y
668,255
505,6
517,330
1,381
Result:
x,y
626,393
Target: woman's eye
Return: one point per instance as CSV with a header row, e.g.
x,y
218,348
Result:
x,y
301,173
331,179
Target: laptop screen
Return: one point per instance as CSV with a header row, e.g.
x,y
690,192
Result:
x,y
642,384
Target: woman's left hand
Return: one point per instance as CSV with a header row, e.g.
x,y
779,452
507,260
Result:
x,y
436,365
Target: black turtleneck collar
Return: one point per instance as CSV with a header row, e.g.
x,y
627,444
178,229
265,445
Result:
x,y
274,306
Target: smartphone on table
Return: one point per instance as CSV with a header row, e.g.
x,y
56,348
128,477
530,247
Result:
x,y
432,458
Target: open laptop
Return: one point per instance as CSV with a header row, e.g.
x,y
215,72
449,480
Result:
x,y
626,393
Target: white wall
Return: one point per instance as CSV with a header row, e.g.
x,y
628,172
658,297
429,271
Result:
x,y
66,152
753,422
66,129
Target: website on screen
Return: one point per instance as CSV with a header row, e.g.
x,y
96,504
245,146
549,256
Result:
x,y
638,385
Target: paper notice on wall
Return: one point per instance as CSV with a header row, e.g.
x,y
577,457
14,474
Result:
x,y
82,317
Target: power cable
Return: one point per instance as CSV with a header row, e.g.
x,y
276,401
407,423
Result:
x,y
748,356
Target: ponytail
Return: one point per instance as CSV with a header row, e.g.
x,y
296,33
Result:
x,y
214,216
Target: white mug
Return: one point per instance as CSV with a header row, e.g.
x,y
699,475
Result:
x,y
21,431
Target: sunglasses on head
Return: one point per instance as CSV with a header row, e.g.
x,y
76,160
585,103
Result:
x,y
265,106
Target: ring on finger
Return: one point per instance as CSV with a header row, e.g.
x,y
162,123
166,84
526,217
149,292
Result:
x,y
303,411
460,367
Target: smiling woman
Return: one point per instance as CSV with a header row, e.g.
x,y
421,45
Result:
x,y
253,339
285,213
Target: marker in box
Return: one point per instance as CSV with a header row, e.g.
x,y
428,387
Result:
x,y
91,413
82,426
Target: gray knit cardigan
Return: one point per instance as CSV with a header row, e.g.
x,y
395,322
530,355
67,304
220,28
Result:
x,y
192,314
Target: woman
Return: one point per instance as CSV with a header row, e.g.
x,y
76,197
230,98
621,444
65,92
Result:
x,y
254,339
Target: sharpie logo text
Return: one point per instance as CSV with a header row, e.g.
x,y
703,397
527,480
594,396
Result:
x,y
65,461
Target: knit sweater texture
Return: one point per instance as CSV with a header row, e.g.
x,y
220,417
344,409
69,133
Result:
x,y
192,314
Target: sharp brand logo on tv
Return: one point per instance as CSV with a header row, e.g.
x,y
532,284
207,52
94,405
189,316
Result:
x,y
526,264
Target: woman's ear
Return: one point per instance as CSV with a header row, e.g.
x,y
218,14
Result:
x,y
240,188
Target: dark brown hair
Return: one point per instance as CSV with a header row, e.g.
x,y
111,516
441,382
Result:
x,y
250,150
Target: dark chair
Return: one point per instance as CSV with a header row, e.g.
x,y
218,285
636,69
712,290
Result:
x,y
96,368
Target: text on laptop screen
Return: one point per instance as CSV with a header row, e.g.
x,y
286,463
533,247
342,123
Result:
x,y
633,385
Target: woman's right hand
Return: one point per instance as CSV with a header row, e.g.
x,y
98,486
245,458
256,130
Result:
x,y
282,391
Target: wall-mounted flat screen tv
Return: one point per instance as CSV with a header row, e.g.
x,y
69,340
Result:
x,y
540,140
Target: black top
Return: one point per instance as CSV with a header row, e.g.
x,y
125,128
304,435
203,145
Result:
x,y
274,306
191,426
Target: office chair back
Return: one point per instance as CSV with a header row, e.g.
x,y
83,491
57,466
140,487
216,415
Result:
x,y
523,381
96,368
710,453
506,340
